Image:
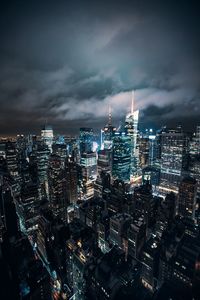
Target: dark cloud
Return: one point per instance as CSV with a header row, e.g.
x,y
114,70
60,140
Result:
x,y
65,61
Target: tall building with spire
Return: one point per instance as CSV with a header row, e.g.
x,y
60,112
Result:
x,y
131,129
108,132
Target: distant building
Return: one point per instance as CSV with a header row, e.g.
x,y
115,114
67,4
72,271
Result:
x,y
131,129
57,187
121,163
11,159
71,181
86,139
41,159
108,133
187,197
47,136
143,151
104,161
173,158
60,150
194,171
194,146
89,165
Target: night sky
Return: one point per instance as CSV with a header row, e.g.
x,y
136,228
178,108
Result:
x,y
64,61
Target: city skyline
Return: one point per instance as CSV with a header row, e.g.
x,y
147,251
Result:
x,y
65,63
99,150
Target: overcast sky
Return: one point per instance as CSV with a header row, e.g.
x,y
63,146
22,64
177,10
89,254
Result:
x,y
66,61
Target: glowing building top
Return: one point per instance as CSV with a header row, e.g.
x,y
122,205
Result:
x,y
131,129
47,136
108,131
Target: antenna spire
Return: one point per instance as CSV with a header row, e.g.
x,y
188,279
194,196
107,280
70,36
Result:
x,y
109,115
132,102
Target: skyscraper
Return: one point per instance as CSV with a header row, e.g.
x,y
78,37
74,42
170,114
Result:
x,y
136,235
121,166
11,158
86,140
89,165
194,171
47,136
131,129
195,143
71,181
144,151
187,197
104,161
42,156
118,223
57,189
108,132
89,173
173,155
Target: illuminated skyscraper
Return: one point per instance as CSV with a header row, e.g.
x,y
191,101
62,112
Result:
x,y
57,184
71,181
11,158
131,128
195,143
173,154
121,167
187,197
104,169
89,174
60,150
194,171
42,157
89,164
108,132
104,161
144,146
86,140
47,136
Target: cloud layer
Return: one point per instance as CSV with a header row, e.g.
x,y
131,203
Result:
x,y
67,62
